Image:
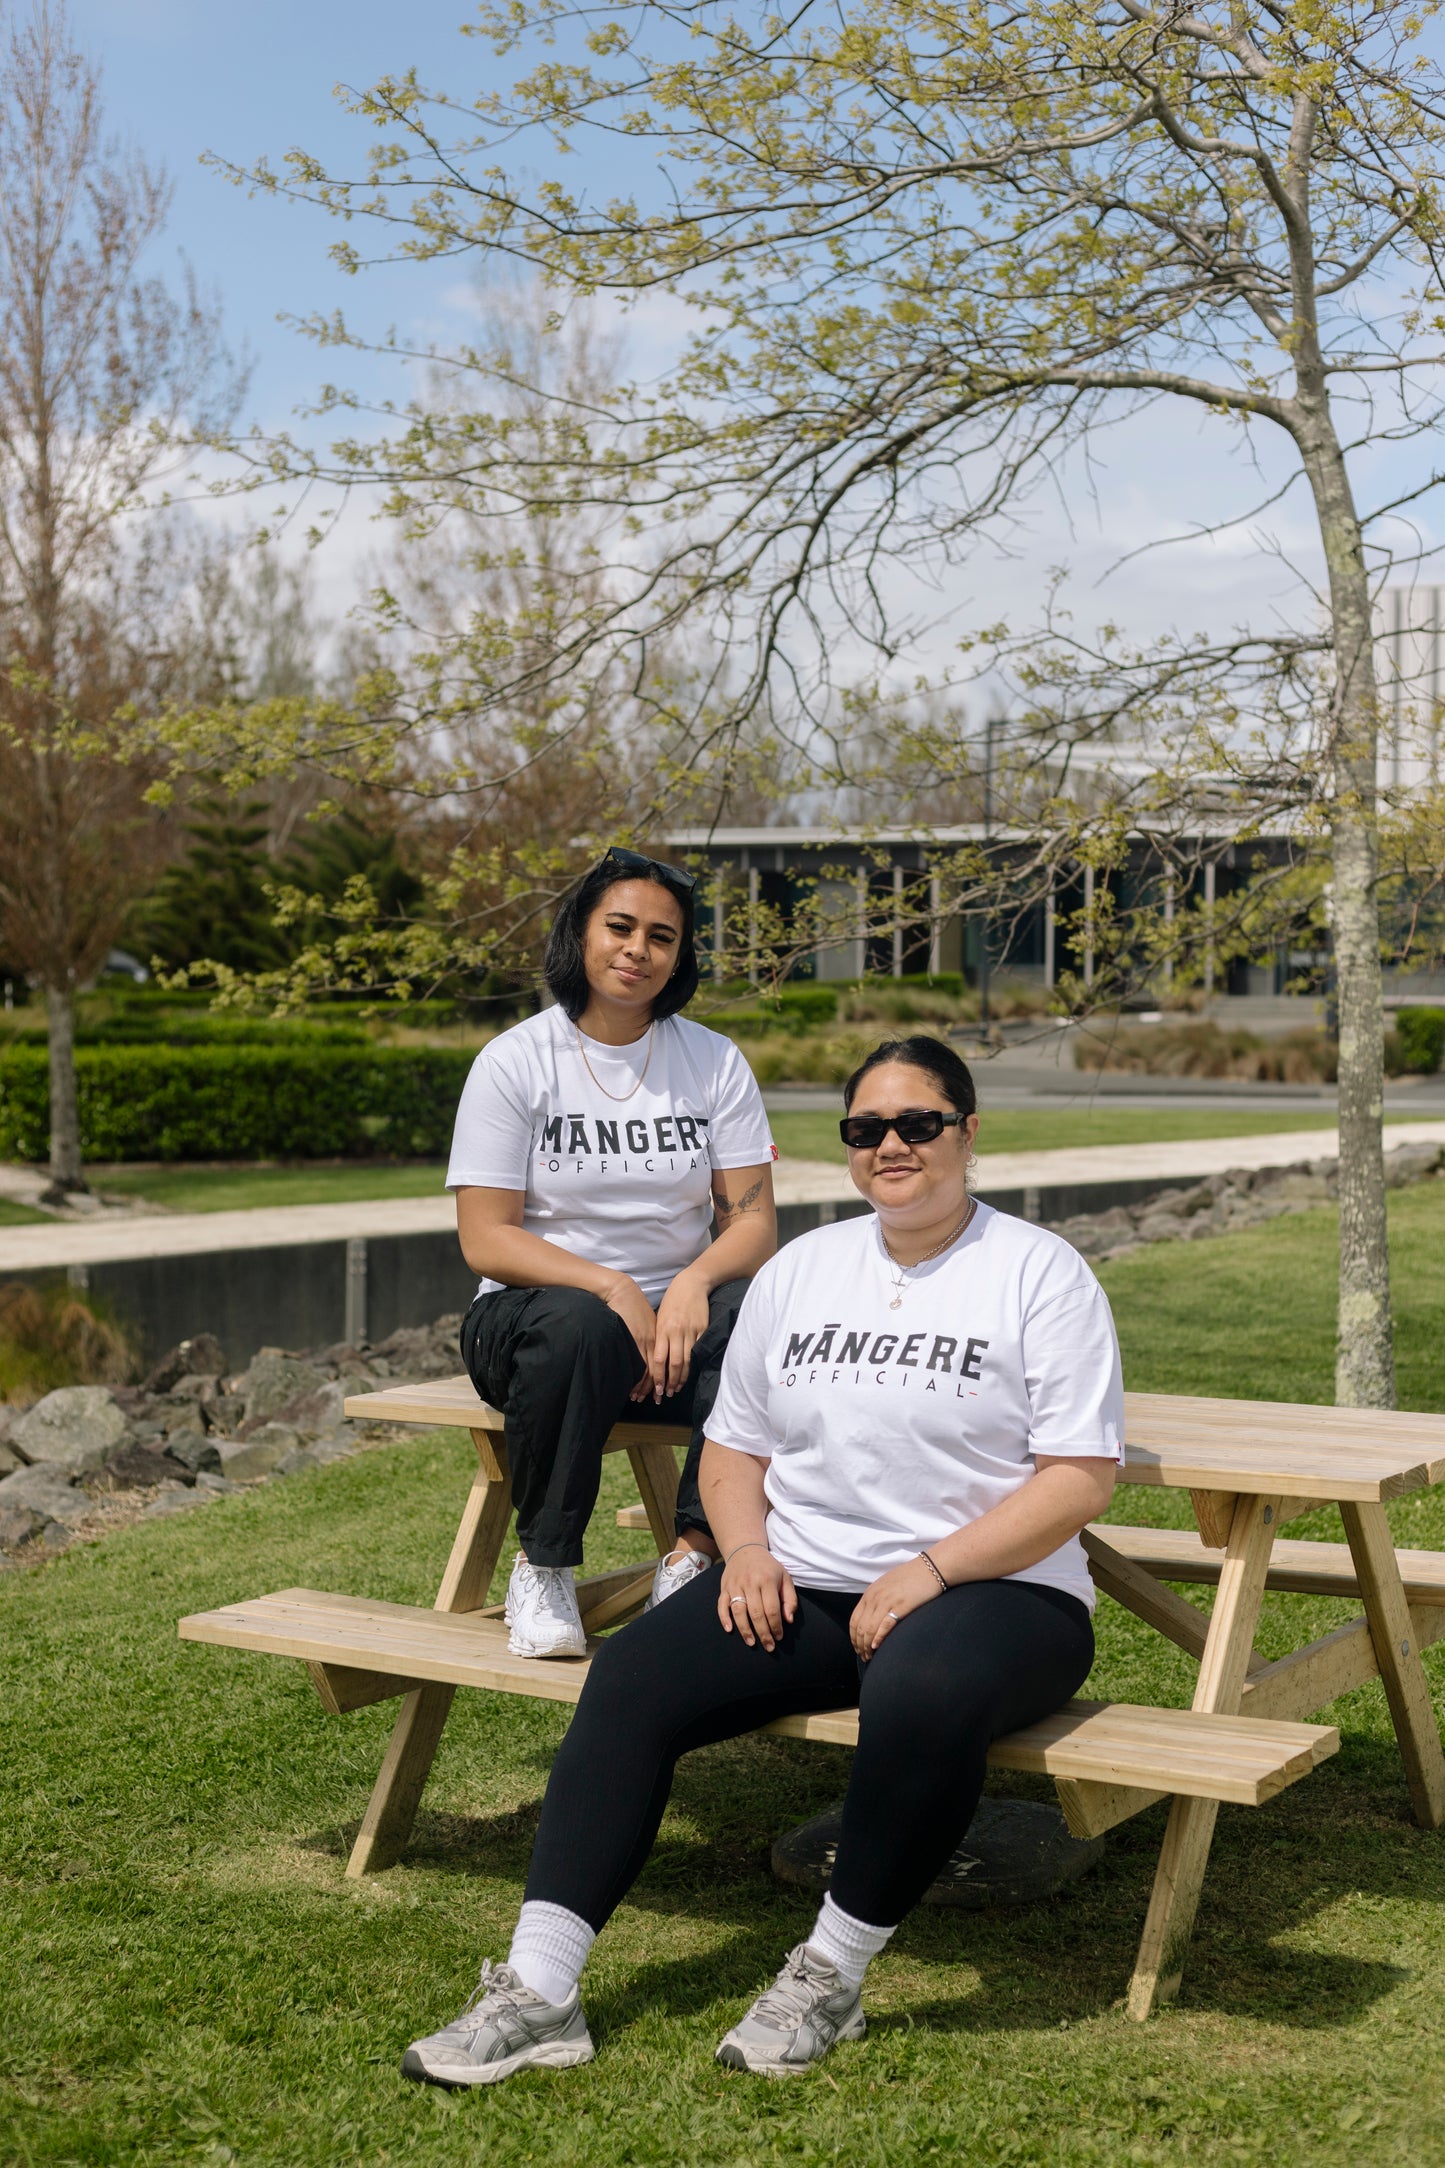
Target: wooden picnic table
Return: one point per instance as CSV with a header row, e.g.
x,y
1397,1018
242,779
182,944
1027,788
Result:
x,y
1250,1468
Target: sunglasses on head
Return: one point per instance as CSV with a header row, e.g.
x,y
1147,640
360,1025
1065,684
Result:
x,y
636,862
865,1132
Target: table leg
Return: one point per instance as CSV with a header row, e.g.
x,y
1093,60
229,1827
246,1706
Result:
x,y
1228,1647
1397,1652
396,1795
655,1467
391,1810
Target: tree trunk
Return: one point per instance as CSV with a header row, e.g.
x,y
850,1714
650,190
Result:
x,y
1364,1349
1364,1346
66,1173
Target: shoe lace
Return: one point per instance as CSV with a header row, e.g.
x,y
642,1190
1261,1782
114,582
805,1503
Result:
x,y
794,1993
682,1565
546,1586
496,1981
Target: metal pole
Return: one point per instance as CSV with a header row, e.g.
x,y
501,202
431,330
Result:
x,y
354,1330
990,725
898,922
1169,922
1088,925
1433,755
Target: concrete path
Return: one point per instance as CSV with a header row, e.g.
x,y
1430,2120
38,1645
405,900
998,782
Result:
x,y
798,1181
802,1181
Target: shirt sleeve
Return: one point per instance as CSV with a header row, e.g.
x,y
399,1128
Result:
x,y
1074,1376
739,1418
492,1139
737,1132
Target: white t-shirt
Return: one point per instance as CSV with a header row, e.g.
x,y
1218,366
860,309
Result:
x,y
624,1181
889,1429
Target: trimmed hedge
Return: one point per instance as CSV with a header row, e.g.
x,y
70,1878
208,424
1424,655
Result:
x,y
240,1102
1421,1033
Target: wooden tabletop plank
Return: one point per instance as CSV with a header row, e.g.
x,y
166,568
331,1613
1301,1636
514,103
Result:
x,y
455,1404
1267,1445
1259,1446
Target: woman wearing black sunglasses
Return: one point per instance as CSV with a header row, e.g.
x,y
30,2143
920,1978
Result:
x,y
594,1144
919,1411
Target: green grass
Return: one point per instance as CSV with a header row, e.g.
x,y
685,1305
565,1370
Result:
x,y
798,1136
242,1189
20,1215
188,1978
815,1136
1252,1316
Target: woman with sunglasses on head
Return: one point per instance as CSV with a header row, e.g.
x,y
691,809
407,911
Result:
x,y
594,1144
920,1409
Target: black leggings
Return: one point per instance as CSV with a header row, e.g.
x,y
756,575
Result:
x,y
984,1659
561,1367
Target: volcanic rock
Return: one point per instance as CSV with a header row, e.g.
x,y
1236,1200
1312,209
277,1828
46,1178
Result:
x,y
74,1429
134,1467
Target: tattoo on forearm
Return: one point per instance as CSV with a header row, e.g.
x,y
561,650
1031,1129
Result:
x,y
731,1209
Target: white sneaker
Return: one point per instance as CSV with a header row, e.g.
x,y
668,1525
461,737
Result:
x,y
542,1611
794,2022
505,2027
674,1572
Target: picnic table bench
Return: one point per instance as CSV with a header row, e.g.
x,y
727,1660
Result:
x,y
1250,1467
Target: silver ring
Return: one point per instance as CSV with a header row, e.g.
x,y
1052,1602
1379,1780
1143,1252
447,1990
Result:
x,y
893,1615
736,1599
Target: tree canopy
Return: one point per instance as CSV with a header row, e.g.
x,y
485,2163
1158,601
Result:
x,y
931,250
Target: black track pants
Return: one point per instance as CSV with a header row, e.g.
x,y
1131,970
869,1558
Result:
x,y
984,1659
560,1365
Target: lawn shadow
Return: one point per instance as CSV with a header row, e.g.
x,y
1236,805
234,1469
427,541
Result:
x,y
1343,1832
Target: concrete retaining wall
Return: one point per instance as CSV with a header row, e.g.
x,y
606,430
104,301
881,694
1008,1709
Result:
x,y
313,1294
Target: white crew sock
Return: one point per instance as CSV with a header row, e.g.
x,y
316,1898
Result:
x,y
549,1949
849,1945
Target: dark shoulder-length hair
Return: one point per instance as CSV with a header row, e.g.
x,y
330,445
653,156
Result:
x,y
949,1072
562,963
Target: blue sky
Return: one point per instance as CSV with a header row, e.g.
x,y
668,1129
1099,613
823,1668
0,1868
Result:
x,y
183,77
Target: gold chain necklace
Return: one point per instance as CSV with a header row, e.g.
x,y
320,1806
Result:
x,y
617,1098
899,1283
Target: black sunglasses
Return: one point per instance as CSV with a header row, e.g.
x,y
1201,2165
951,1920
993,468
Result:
x,y
865,1132
635,862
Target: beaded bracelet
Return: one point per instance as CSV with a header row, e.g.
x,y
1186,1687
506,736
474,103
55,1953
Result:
x,y
938,1577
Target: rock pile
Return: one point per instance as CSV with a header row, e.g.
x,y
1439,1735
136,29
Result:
x,y
1241,1197
191,1433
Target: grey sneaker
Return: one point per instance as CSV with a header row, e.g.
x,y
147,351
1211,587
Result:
x,y
795,2021
504,2027
673,1573
542,1611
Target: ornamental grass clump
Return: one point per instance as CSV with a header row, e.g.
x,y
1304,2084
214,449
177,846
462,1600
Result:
x,y
1205,1049
50,1338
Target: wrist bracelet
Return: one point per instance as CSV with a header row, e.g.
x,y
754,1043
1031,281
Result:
x,y
938,1577
751,1546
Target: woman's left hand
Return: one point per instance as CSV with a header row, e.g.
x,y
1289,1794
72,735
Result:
x,y
891,1598
682,1318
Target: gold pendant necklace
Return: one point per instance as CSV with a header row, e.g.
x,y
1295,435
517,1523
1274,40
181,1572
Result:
x,y
899,1282
617,1098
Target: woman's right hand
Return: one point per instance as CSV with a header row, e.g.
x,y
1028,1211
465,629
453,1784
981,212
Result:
x,y
757,1596
637,1314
